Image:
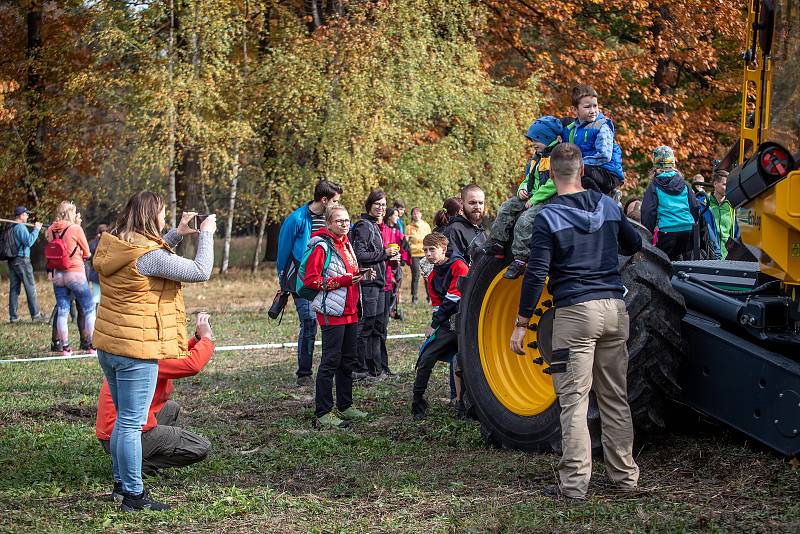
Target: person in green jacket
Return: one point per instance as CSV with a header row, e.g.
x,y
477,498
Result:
x,y
719,214
533,193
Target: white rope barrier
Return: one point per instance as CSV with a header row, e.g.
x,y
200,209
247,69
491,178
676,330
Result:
x,y
227,348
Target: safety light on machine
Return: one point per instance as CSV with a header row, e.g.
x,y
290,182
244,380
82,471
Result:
x,y
771,164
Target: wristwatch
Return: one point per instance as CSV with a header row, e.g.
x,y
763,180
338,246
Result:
x,y
519,323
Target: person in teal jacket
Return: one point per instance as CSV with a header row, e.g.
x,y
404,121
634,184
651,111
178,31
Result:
x,y
669,208
20,270
293,239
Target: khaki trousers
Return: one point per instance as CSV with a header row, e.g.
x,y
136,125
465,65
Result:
x,y
589,351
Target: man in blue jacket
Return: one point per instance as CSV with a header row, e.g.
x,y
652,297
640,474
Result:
x,y
577,239
20,270
295,232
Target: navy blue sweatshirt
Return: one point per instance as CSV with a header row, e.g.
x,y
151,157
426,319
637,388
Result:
x,y
577,239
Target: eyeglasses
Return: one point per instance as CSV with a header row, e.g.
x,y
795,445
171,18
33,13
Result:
x,y
341,221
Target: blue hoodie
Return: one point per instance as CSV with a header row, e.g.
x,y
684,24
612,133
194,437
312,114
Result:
x,y
294,236
577,239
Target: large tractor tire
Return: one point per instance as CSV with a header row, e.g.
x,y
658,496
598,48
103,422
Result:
x,y
513,397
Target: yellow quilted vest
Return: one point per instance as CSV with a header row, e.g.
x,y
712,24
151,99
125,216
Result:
x,y
139,316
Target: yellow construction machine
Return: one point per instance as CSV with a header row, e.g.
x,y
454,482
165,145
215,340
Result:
x,y
722,337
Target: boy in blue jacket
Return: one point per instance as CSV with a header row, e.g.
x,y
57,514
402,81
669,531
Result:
x,y
295,232
593,133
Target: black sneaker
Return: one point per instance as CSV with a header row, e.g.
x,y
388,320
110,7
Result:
x,y
494,248
55,346
419,409
304,381
515,270
117,494
358,376
137,503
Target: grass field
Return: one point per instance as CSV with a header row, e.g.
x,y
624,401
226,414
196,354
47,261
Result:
x,y
271,471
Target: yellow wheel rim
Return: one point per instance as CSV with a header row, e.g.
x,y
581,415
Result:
x,y
517,382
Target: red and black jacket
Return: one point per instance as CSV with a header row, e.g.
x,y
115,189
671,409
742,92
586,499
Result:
x,y
443,288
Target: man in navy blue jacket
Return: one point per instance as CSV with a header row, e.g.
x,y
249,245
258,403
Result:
x,y
295,232
576,239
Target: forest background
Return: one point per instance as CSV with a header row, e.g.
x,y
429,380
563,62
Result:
x,y
238,107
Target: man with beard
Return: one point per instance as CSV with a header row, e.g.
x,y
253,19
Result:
x,y
465,232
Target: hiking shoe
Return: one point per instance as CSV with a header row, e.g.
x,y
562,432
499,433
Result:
x,y
515,270
117,494
137,503
459,409
353,414
494,248
419,409
330,421
304,381
554,492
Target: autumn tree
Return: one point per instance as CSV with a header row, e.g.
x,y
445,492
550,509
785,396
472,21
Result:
x,y
667,72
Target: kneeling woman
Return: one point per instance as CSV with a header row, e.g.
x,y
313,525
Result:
x,y
337,306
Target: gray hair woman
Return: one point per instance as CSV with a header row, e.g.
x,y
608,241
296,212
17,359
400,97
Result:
x,y
331,270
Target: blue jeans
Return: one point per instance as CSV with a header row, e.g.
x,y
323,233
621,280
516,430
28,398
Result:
x,y
305,340
132,383
20,271
66,288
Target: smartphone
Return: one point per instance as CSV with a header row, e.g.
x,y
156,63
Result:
x,y
197,220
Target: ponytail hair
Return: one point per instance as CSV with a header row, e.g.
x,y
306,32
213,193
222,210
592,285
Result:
x,y
451,207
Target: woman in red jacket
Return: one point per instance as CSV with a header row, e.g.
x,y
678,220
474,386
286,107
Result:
x,y
337,306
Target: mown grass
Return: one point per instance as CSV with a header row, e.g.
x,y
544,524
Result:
x,y
271,471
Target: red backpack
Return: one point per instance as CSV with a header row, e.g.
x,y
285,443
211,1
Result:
x,y
57,254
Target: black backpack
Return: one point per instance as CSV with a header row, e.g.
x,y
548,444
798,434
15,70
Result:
x,y
8,244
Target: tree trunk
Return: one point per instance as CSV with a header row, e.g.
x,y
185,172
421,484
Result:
x,y
314,14
34,93
261,229
189,175
235,165
172,198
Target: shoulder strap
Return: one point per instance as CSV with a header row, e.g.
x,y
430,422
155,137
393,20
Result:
x,y
572,127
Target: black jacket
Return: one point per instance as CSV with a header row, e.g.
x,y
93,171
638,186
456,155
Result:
x,y
365,236
577,239
460,234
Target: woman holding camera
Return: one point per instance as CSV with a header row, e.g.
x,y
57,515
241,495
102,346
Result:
x,y
371,252
141,320
337,306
